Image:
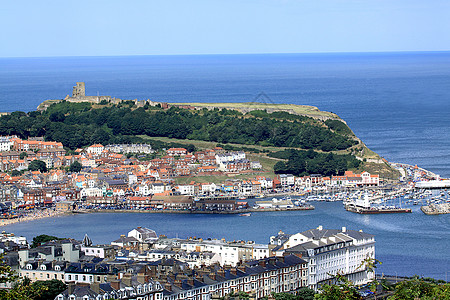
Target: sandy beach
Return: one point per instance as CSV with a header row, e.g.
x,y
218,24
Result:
x,y
35,215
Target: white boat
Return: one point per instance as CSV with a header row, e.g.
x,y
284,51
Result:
x,y
245,215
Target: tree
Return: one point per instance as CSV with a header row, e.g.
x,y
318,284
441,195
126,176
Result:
x,y
75,167
21,288
306,293
23,155
57,117
50,288
420,288
344,289
15,173
43,238
37,165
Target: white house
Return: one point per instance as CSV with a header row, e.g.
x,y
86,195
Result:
x,y
186,189
96,149
143,235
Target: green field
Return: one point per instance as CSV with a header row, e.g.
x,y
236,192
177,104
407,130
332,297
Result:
x,y
306,110
205,144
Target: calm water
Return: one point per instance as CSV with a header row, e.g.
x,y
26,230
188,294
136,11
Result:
x,y
407,244
397,103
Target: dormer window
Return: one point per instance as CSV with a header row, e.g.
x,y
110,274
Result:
x,y
43,267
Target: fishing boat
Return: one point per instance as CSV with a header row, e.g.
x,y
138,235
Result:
x,y
245,215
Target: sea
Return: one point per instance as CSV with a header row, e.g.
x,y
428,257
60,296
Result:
x,y
397,103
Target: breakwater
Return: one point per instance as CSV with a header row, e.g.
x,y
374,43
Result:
x,y
436,209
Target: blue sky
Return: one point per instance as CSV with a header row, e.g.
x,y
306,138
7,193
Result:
x,y
31,28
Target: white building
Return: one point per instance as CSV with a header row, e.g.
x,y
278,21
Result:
x,y
207,188
186,189
287,179
5,143
143,235
130,148
98,251
231,253
260,251
329,251
91,192
96,149
231,156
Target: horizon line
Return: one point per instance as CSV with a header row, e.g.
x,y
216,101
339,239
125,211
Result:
x,y
237,54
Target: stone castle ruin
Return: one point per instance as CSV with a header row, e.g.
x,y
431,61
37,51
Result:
x,y
79,95
79,90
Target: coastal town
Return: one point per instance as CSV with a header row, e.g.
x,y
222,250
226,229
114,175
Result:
x,y
40,179
141,264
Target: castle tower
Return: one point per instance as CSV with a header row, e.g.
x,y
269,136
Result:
x,y
79,90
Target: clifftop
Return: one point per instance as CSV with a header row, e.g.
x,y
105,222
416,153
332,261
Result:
x,y
244,107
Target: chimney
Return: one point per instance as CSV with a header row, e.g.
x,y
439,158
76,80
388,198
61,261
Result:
x,y
233,271
95,287
344,229
272,260
212,276
262,263
281,259
142,278
168,286
242,268
115,284
221,272
70,288
178,283
190,281
126,279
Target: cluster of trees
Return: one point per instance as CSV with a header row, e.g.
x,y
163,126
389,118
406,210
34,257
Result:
x,y
415,288
42,239
78,124
301,163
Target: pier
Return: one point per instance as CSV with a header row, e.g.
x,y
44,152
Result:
x,y
433,184
436,209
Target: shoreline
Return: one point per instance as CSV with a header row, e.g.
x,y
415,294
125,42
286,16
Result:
x,y
37,215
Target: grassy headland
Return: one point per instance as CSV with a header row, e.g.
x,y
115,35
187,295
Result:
x,y
253,127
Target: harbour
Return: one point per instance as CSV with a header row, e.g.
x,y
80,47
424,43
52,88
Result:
x,y
394,232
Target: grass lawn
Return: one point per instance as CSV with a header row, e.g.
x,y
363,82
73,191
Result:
x,y
205,144
299,109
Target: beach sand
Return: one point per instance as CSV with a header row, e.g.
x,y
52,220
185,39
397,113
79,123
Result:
x,y
35,215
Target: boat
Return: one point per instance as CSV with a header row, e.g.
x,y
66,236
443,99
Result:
x,y
245,215
362,206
